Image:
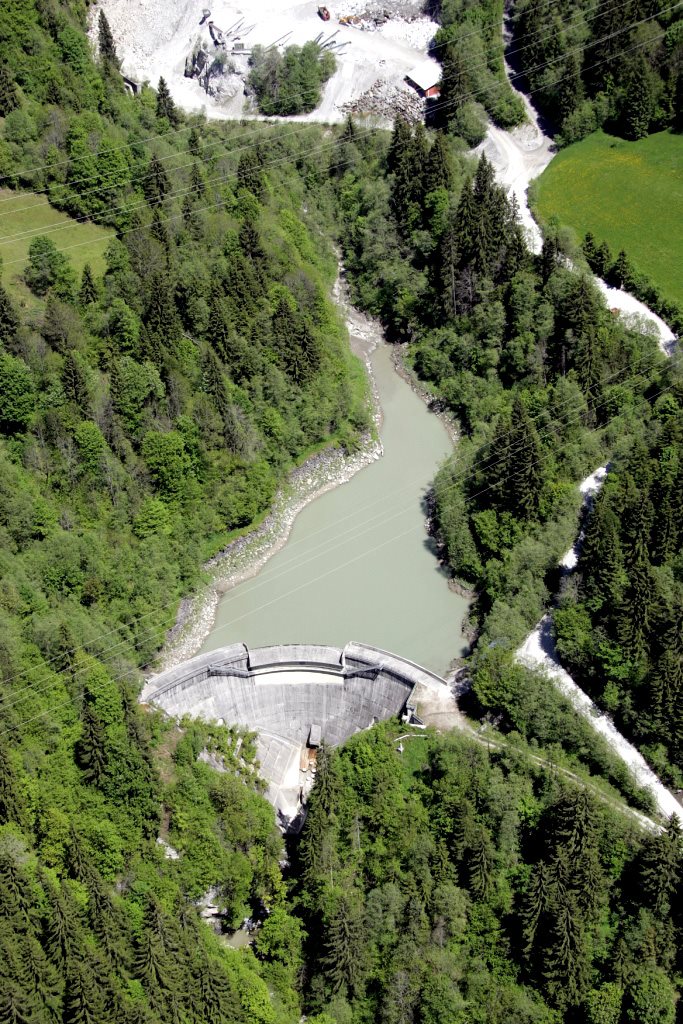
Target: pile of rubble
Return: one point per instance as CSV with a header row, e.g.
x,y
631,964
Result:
x,y
387,100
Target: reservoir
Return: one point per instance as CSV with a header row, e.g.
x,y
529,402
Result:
x,y
358,564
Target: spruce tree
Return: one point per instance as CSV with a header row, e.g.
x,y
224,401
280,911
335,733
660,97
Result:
x,y
194,146
249,173
83,1003
438,173
567,963
16,1007
197,182
10,800
537,903
9,98
621,273
481,863
91,747
165,105
662,869
88,291
343,960
524,463
9,320
639,99
106,41
156,182
75,382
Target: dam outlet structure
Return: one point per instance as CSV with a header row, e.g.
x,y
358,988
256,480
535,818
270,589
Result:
x,y
295,696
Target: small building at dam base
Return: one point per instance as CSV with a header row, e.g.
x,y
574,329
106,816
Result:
x,y
294,696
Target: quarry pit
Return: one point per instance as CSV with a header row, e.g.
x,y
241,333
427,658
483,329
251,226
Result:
x,y
376,45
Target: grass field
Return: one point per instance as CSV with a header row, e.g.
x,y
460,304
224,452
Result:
x,y
629,194
23,215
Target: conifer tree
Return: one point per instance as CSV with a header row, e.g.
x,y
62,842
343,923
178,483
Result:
x,y
639,99
62,927
567,967
16,1007
106,41
635,617
9,320
165,105
438,173
88,292
249,173
590,248
75,382
524,464
481,863
601,562
662,868
10,802
83,1003
343,947
194,146
9,98
197,179
156,182
161,318
571,91
159,229
621,272
91,747
603,259
537,903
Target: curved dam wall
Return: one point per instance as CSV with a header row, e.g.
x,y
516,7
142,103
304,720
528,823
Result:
x,y
288,690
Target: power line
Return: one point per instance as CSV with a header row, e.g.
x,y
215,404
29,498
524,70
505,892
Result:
x,y
321,148
294,590
159,634
171,156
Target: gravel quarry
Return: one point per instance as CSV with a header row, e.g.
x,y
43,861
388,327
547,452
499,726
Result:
x,y
374,52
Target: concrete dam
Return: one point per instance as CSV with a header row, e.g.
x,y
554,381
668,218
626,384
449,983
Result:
x,y
295,696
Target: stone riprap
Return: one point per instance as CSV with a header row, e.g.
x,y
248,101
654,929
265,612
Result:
x,y
283,692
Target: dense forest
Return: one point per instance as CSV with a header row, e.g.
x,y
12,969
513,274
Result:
x,y
290,82
544,381
612,65
148,411
445,884
473,80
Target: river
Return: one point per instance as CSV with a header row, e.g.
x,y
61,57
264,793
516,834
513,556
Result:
x,y
358,563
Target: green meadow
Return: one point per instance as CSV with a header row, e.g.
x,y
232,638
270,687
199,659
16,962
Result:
x,y
24,216
629,194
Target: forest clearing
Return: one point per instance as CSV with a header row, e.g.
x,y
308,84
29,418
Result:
x,y
26,215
